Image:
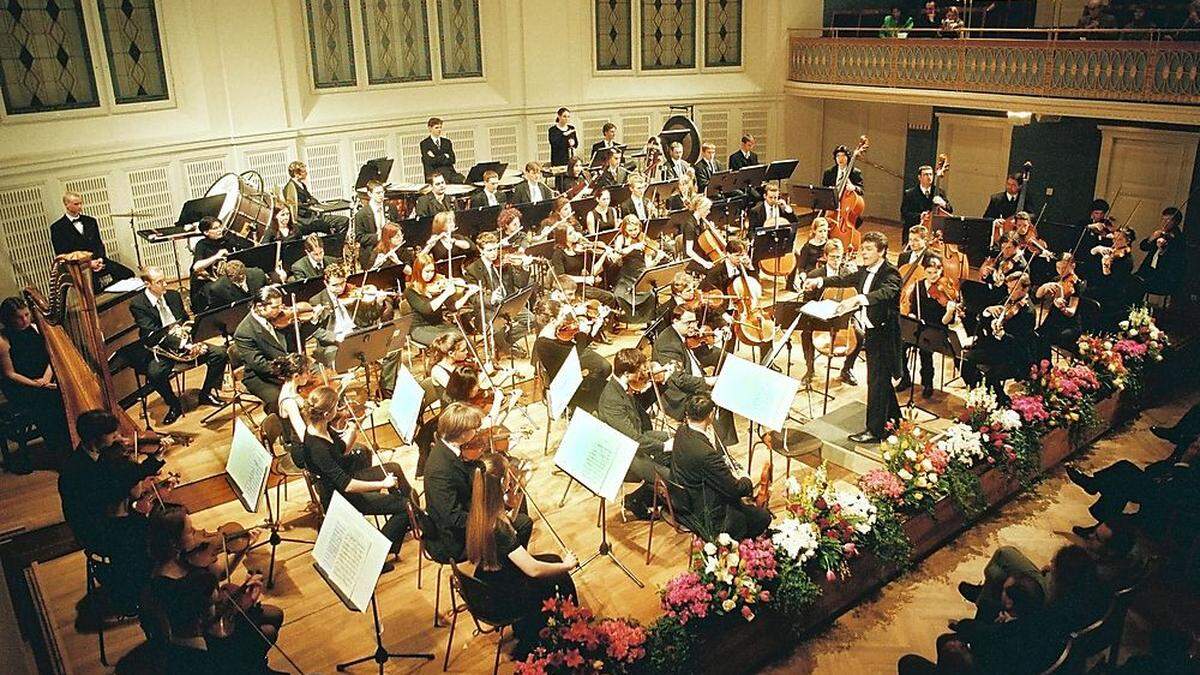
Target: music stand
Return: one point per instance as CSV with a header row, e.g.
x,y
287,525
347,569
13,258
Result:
x,y
475,175
779,170
509,308
657,227
972,235
912,333
222,322
654,278
816,197
721,182
789,312
362,348
667,137
830,325
375,169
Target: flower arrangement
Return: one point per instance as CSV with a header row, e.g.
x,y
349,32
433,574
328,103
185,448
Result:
x,y
725,576
1066,393
1140,326
574,641
1032,410
837,516
917,462
1107,363
963,444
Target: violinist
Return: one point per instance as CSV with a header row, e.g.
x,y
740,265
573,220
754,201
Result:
x,y
190,609
603,217
637,205
338,465
27,380
922,198
259,342
1165,265
835,264
235,282
339,322
497,281
1027,237
313,262
808,252
673,346
685,190
625,406
446,353
1111,283
444,242
489,195
296,372
582,260
1002,261
369,222
636,252
560,330
212,248
512,235
126,508
464,386
713,498
931,302
575,181
563,213
436,200
532,189
1005,339
917,249
692,228
773,211
1097,231
282,228
430,295
1057,300
685,291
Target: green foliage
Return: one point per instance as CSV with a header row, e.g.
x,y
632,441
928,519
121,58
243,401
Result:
x,y
963,486
669,647
1027,467
887,539
796,593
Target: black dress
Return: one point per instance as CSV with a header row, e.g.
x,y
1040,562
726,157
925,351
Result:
x,y
552,352
516,593
573,265
27,351
335,468
184,606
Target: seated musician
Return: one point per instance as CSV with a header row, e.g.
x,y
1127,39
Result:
x,y
685,191
446,353
561,330
574,183
1001,262
927,310
1097,231
519,582
235,282
158,308
185,602
437,154
436,200
636,252
77,231
604,217
563,213
685,290
624,405
211,249
637,204
391,249
340,466
689,379
582,260
259,343
282,227
1165,266
300,201
734,264
296,371
448,486
835,265
369,222
27,380
692,228
613,173
706,165
444,240
313,262
808,252
125,508
1057,302
431,296
773,211
532,189
498,281
1005,339
917,247
714,500
339,322
489,195
1110,286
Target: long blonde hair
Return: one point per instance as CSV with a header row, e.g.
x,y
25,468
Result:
x,y
487,512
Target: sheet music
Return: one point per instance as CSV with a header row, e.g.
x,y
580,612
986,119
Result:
x,y
821,309
125,285
565,384
248,465
755,392
350,552
595,454
404,408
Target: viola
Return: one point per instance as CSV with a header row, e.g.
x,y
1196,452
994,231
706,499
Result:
x,y
145,503
231,601
230,538
652,374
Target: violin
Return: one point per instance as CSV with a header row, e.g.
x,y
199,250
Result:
x,y
704,336
233,600
651,375
298,312
567,329
230,538
153,496
1010,309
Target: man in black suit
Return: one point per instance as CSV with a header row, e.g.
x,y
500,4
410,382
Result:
x,y
629,414
877,310
436,200
313,262
339,322
1004,204
437,154
236,283
369,222
675,166
637,204
614,174
745,156
532,189
76,231
259,344
609,142
1165,266
706,166
498,283
921,198
448,478
689,379
489,195
300,202
837,173
154,310
713,497
1008,352
771,209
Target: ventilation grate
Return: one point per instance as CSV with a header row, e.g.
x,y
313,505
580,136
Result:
x,y
26,237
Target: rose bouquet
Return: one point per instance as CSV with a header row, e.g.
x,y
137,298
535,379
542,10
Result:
x,y
914,459
1140,327
823,523
1108,364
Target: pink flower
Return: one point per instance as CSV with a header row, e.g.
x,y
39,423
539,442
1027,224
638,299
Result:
x,y
830,576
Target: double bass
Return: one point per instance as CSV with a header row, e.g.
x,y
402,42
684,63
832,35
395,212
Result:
x,y
1010,223
843,223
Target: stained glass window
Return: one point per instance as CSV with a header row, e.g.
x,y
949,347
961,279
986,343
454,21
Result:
x,y
44,59
614,38
135,56
459,39
397,40
331,43
668,34
723,33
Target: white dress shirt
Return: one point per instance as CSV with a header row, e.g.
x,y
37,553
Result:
x,y
861,316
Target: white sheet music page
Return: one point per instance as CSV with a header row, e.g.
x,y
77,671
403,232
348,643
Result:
x,y
350,552
248,464
595,454
405,405
755,392
565,384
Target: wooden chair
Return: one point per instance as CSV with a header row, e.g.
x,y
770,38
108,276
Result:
x,y
1100,642
416,515
1062,664
480,601
662,492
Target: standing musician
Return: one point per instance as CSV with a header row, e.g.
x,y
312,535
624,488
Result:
x,y
339,466
809,253
671,346
448,487
836,174
156,309
932,303
624,406
27,380
1165,264
259,342
430,296
603,217
922,198
300,202
498,281
835,264
313,262
562,137
675,166
235,283
1004,204
582,261
77,231
714,499
369,222
745,156
1005,340
436,200
437,154
1110,285
636,252
691,229
1056,318
613,173
772,211
489,195
608,142
877,305
339,322
706,165
283,227
685,191
561,329
532,189
637,204
210,249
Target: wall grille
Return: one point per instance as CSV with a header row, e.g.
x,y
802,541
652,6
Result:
x,y
26,237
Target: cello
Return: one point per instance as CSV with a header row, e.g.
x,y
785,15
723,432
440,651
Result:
x,y
843,223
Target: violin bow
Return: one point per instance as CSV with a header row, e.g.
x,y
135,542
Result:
x,y
296,325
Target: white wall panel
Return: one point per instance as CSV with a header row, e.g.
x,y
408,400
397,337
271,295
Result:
x,y
26,238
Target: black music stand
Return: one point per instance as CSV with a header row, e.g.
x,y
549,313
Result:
x,y
533,214
721,182
772,242
657,227
375,169
754,175
362,348
912,333
582,205
667,137
222,322
831,326
659,193
195,209
654,278
778,170
816,197
475,175
509,308
972,235
471,222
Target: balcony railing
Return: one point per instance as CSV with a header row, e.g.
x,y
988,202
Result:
x,y
1144,72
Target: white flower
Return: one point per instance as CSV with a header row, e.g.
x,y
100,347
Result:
x,y
799,540
1124,325
921,482
932,478
724,539
916,432
912,456
856,506
904,474
733,560
892,440
1006,419
729,604
710,549
926,465
792,486
982,399
962,444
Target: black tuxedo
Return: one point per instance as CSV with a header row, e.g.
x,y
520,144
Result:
x,y
1170,270
629,208
712,498
439,158
64,238
629,415
829,178
611,177
429,205
600,145
669,170
738,161
882,340
158,370
758,215
224,292
366,232
704,171
521,193
479,199
915,202
999,206
84,487
304,269
509,280
684,383
257,348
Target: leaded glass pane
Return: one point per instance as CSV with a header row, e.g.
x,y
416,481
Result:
x,y
330,43
614,37
134,50
668,34
44,59
723,33
397,40
462,53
